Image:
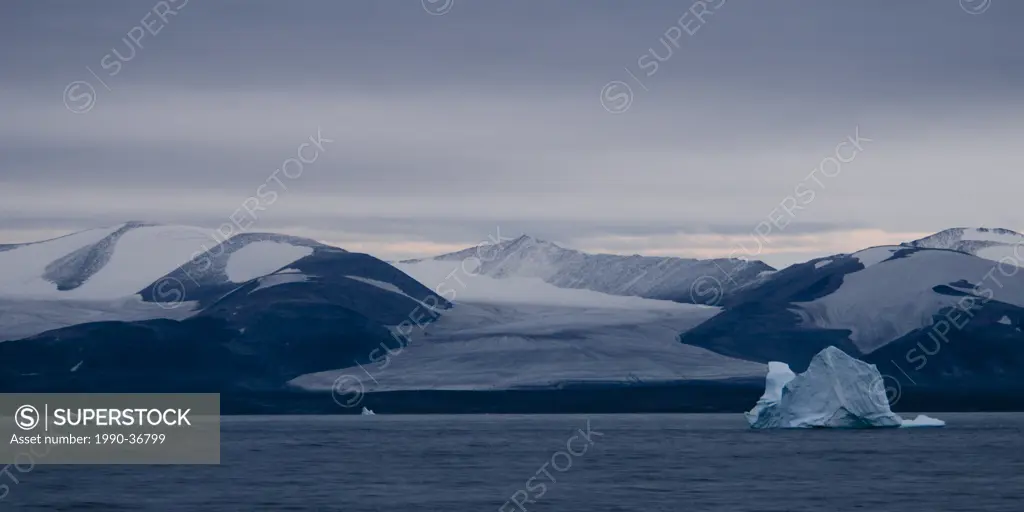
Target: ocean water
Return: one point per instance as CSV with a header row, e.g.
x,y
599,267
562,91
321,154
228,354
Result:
x,y
624,463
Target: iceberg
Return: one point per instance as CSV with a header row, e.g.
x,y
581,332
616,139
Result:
x,y
779,375
836,391
367,412
922,421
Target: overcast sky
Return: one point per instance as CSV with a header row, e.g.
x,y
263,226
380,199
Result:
x,y
447,126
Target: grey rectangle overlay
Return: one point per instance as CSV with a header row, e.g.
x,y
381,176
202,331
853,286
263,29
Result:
x,y
106,428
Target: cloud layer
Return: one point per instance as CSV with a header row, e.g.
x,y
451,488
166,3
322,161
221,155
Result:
x,y
446,127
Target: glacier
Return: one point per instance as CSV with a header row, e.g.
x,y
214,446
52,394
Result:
x,y
836,391
519,332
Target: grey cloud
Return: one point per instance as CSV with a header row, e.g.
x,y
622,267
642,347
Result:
x,y
490,115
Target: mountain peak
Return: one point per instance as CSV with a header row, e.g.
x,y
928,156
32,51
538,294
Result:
x,y
989,243
528,241
969,229
653,277
139,224
968,234
529,238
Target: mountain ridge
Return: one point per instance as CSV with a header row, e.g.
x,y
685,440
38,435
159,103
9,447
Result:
x,y
990,243
889,305
272,313
653,277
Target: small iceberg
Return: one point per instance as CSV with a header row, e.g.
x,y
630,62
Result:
x,y
836,391
922,421
367,412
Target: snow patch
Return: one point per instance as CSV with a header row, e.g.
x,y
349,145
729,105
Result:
x,y
1004,254
141,256
279,278
391,288
77,366
261,258
22,268
888,300
822,263
379,284
875,255
1005,320
99,264
975,234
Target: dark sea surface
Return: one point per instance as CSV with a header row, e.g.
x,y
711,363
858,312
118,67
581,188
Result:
x,y
665,462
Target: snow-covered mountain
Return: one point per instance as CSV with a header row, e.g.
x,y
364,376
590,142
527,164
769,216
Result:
x,y
250,314
89,312
98,264
118,273
140,307
121,261
994,244
943,317
668,278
